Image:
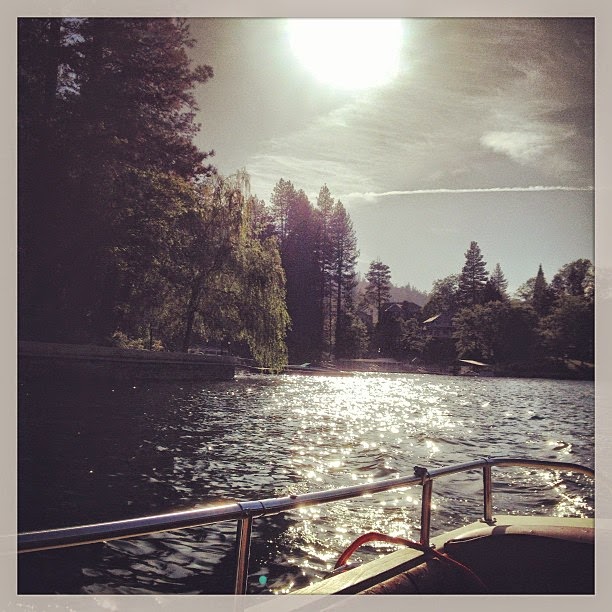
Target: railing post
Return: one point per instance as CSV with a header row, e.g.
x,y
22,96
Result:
x,y
244,527
243,550
427,483
487,494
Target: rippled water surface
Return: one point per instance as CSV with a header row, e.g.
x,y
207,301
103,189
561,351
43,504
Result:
x,y
90,454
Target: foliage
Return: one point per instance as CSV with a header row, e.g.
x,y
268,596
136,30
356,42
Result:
x,y
412,343
498,282
443,297
352,339
299,233
344,255
126,235
110,107
497,331
325,210
575,278
541,298
378,291
472,278
568,330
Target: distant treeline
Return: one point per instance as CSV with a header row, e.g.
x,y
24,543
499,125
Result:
x,y
129,236
469,315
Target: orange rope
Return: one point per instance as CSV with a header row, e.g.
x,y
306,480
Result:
x,y
374,536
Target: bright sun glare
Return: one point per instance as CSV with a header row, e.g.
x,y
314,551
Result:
x,y
348,53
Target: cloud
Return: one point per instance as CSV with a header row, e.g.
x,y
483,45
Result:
x,y
523,147
526,146
370,196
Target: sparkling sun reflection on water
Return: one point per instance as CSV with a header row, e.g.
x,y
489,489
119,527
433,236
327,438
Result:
x,y
147,450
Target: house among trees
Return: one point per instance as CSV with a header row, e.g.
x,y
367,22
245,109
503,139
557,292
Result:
x,y
440,325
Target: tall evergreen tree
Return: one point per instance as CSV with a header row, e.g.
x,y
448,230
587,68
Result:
x,y
300,257
281,199
540,299
122,113
325,209
473,277
378,291
499,282
344,256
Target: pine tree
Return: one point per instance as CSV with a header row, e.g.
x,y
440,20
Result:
x,y
498,280
120,112
344,256
325,209
540,300
280,200
378,291
473,277
300,257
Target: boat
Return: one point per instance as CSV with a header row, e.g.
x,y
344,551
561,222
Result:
x,y
499,554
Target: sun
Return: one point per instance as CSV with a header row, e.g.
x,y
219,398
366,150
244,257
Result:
x,y
348,53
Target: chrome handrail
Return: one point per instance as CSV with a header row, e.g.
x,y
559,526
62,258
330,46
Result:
x,y
245,512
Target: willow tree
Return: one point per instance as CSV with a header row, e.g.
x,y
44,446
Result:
x,y
261,301
229,285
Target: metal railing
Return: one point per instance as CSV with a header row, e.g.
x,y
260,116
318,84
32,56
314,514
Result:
x,y
245,512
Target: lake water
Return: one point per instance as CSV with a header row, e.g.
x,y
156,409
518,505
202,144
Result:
x,y
99,453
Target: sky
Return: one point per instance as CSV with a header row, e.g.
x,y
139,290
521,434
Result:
x,y
451,130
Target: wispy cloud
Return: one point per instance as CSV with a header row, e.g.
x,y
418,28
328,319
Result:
x,y
372,196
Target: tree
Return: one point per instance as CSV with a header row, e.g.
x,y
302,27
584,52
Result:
x,y
444,297
573,278
281,201
226,277
119,111
473,277
525,291
588,284
499,283
568,330
518,338
325,209
207,236
300,258
344,256
541,295
498,331
475,329
378,290
413,339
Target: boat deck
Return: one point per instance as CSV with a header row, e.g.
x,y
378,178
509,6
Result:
x,y
371,577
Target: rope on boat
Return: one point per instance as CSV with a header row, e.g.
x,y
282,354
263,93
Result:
x,y
375,536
